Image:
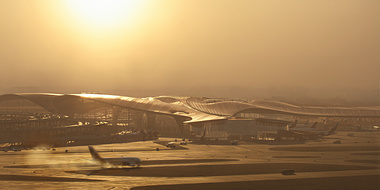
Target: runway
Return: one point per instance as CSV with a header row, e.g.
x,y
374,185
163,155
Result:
x,y
354,164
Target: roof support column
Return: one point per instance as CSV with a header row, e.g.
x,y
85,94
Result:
x,y
137,119
115,115
180,124
151,121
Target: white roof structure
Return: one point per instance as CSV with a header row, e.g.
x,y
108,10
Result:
x,y
191,109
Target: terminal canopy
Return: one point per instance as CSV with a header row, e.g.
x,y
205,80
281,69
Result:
x,y
189,109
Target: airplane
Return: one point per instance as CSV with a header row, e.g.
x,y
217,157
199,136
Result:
x,y
306,126
123,161
316,134
201,138
313,127
332,130
311,135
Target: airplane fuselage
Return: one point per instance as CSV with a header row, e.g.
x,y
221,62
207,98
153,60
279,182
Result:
x,y
123,161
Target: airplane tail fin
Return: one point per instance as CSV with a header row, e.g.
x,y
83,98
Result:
x,y
332,130
314,125
95,154
294,124
204,134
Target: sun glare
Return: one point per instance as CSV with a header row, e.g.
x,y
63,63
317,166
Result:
x,y
104,13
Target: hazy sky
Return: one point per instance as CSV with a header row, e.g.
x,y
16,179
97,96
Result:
x,y
70,46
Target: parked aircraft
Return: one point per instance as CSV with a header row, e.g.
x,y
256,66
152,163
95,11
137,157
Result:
x,y
315,134
122,161
314,125
332,130
306,128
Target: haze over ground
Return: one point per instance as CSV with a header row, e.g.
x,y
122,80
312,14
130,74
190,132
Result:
x,y
292,50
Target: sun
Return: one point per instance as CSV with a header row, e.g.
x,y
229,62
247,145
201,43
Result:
x,y
104,13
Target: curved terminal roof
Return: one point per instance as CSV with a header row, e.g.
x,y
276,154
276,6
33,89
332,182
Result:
x,y
190,109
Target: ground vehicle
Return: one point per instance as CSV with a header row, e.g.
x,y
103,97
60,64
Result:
x,y
171,145
288,172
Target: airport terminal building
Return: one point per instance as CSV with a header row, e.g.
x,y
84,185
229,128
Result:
x,y
62,116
